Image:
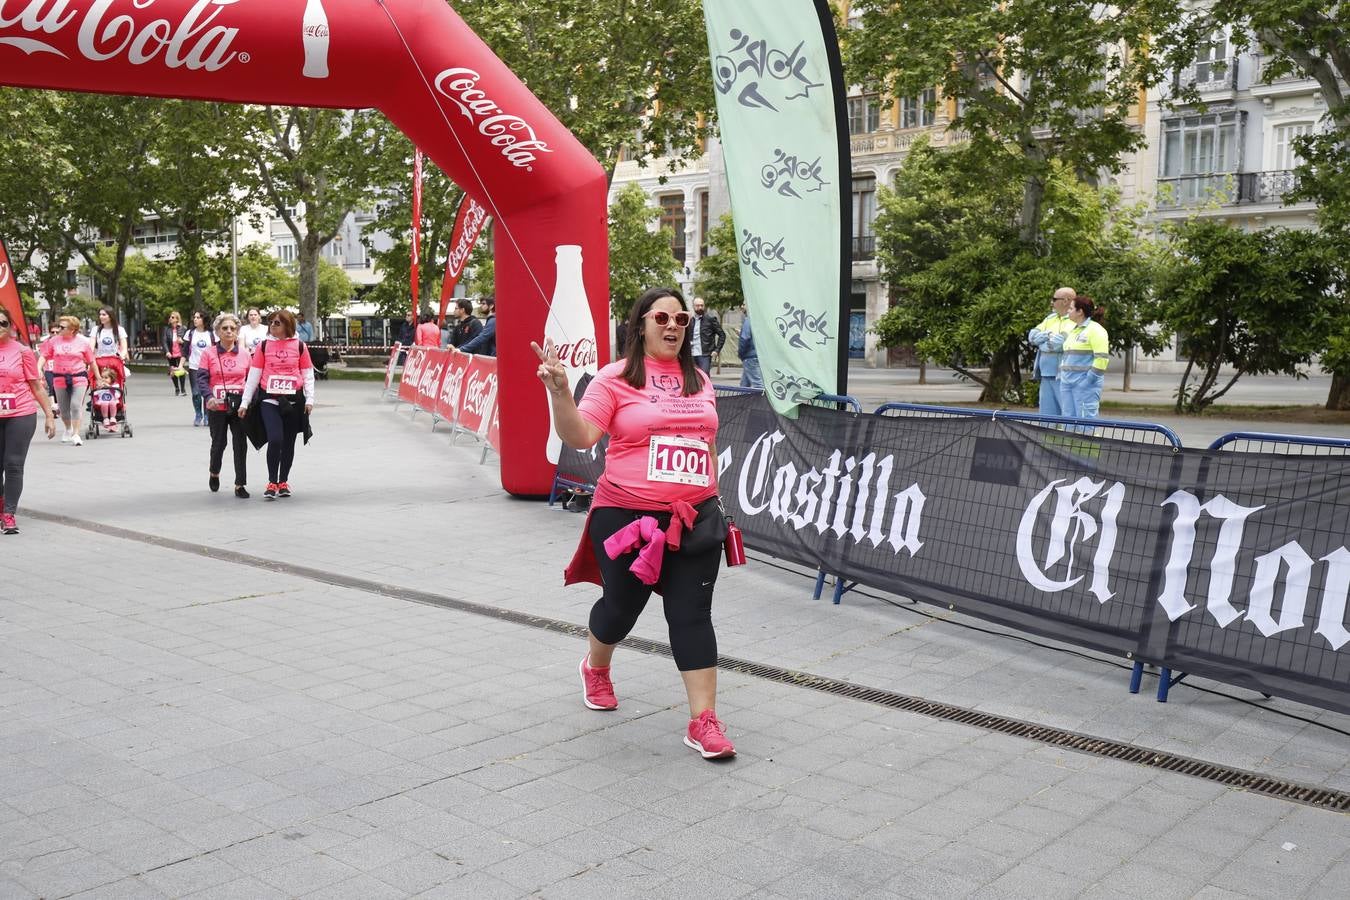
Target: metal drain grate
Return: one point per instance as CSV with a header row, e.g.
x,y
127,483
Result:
x,y
1255,782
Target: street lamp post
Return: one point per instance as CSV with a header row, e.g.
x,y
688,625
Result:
x,y
234,263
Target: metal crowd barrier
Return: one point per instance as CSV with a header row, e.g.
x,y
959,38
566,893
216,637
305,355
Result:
x,y
1111,429
1254,442
841,587
1288,444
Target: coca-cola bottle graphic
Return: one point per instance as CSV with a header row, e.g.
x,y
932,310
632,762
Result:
x,y
571,329
316,40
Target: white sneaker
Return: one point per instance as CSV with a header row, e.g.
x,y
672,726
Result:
x,y
75,440
65,438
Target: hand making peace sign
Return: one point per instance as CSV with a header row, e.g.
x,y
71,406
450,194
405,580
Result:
x,y
550,371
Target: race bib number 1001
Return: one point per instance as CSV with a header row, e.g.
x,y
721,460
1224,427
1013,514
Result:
x,y
679,461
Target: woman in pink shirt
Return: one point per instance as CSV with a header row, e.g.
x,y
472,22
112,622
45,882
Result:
x,y
175,341
70,359
655,520
21,393
222,372
281,377
427,334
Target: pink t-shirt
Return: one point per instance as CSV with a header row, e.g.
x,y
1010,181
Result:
x,y
18,366
659,440
228,370
283,364
69,355
427,335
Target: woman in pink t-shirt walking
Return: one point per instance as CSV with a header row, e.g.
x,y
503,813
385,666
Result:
x,y
281,379
21,393
655,521
70,359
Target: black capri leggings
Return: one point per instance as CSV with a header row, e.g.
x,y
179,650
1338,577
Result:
x,y
16,433
281,434
225,426
687,582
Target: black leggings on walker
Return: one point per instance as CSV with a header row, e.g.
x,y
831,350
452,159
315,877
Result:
x,y
687,582
227,426
16,433
281,434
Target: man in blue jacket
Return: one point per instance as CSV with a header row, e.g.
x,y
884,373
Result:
x,y
745,349
485,344
1047,359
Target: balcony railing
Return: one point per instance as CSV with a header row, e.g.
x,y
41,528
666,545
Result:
x,y
1264,63
1209,77
1230,189
864,247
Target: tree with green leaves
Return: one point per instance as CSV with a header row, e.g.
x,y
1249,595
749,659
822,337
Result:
x,y
619,74
1311,38
639,258
719,273
335,289
1254,301
967,291
197,193
315,167
1037,85
109,143
264,282
480,271
31,161
393,218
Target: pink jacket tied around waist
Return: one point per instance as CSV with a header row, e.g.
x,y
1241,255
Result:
x,y
646,536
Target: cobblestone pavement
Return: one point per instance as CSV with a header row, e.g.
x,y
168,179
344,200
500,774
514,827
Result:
x,y
207,697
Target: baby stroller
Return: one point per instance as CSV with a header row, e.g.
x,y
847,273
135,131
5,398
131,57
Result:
x,y
319,357
99,396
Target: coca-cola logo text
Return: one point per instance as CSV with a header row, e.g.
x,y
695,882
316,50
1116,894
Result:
x,y
412,368
578,355
511,135
450,387
194,42
426,383
481,389
474,218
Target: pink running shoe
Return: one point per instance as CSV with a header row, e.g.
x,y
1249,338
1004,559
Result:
x,y
7,524
707,735
597,691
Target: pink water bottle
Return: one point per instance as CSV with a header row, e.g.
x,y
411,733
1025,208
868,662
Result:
x,y
734,545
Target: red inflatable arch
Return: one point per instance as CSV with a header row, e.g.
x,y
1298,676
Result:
x,y
416,61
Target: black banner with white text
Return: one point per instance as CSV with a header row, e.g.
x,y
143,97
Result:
x,y
1228,565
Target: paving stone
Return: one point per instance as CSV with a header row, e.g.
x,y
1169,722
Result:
x,y
420,872
68,876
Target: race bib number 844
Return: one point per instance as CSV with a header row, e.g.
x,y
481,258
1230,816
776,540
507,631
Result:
x,y
679,461
278,384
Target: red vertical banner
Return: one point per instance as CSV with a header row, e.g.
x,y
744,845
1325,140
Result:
x,y
416,230
470,219
9,297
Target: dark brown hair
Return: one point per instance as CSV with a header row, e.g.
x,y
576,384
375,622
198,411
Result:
x,y
287,321
635,368
1083,303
